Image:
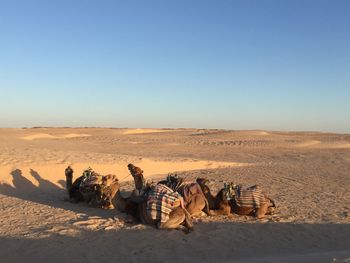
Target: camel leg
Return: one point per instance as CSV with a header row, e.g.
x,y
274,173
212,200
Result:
x,y
196,205
261,211
223,211
176,218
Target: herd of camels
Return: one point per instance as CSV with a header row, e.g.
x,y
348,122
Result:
x,y
170,203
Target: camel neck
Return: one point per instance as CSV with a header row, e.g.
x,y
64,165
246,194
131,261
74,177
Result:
x,y
69,182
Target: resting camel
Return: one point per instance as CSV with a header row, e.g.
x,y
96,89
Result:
x,y
251,201
218,204
139,205
194,198
91,187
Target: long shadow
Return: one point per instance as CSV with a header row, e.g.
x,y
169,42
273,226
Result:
x,y
210,242
47,193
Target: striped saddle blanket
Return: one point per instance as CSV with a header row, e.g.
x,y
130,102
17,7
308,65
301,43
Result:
x,y
249,196
161,201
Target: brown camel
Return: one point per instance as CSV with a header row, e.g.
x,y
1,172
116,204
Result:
x,y
73,188
250,202
194,198
218,204
98,190
139,179
177,217
138,205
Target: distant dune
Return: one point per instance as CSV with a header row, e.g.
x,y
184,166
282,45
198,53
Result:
x,y
141,131
49,136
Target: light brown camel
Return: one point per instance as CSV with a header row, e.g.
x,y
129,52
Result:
x,y
139,179
137,205
194,198
98,190
226,200
218,204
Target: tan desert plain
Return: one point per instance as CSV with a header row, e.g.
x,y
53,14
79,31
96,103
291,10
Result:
x,y
306,173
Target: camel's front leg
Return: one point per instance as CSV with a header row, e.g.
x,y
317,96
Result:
x,y
261,211
176,218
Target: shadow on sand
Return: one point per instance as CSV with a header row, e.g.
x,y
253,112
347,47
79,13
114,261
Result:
x,y
214,242
47,193
210,242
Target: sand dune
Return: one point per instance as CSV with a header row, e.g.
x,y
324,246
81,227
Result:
x,y
310,143
329,145
142,131
307,174
49,136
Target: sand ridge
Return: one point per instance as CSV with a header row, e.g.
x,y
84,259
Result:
x,y
143,131
49,136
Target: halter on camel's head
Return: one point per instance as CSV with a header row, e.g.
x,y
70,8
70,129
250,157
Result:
x,y
69,172
137,174
134,170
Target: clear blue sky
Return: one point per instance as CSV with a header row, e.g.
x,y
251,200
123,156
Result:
x,y
276,65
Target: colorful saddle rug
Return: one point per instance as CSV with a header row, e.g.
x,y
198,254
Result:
x,y
90,178
161,201
97,188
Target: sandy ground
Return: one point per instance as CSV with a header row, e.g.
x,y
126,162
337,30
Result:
x,y
307,174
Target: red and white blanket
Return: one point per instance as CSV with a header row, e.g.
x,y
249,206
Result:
x,y
161,201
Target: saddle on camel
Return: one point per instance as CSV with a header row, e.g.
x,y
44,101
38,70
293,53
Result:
x,y
156,205
238,199
194,199
91,187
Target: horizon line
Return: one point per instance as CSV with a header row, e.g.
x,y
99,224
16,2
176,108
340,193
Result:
x,y
174,128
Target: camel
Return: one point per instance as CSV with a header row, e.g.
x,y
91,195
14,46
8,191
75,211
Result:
x,y
93,188
73,188
226,200
138,205
139,180
218,204
194,198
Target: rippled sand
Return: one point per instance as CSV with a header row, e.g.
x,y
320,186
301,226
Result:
x,y
307,174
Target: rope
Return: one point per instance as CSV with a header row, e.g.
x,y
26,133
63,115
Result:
x,y
124,177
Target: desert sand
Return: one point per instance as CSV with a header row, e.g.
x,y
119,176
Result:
x,y
306,173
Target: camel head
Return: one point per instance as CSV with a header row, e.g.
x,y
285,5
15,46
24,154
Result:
x,y
109,179
69,178
137,174
203,183
69,172
134,170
